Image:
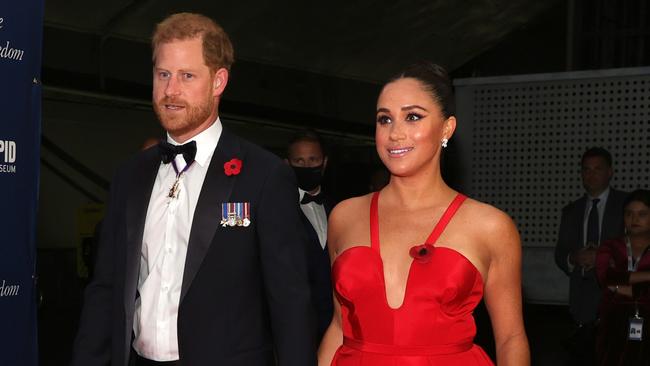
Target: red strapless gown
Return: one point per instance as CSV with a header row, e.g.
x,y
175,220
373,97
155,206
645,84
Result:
x,y
433,326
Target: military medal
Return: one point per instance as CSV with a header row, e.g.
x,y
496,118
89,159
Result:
x,y
235,214
176,187
247,214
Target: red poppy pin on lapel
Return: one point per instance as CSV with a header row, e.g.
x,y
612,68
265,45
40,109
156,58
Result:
x,y
232,167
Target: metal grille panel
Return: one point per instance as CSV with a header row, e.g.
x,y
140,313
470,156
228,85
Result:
x,y
529,135
520,140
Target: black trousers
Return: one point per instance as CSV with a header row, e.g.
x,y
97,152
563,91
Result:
x,y
137,360
582,346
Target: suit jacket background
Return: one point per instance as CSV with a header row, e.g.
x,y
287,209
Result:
x,y
584,290
320,278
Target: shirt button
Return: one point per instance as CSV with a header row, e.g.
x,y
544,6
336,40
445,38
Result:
x,y
169,249
165,288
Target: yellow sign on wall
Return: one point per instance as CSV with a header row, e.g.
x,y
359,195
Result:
x,y
88,217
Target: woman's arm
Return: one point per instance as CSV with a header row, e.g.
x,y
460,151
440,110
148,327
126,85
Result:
x,y
503,290
332,339
622,290
610,267
639,277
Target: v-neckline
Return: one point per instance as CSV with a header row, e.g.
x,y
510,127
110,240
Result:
x,y
431,240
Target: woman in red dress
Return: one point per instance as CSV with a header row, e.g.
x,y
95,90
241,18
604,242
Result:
x,y
623,268
411,262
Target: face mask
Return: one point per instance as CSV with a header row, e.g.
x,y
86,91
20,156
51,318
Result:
x,y
308,178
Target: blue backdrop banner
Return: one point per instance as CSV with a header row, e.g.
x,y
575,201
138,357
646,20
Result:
x,y
21,29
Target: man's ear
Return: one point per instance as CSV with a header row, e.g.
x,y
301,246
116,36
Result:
x,y
220,81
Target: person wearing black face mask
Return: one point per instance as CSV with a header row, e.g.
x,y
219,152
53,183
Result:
x,y
306,156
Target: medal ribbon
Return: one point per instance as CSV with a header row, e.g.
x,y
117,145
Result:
x,y
179,175
187,166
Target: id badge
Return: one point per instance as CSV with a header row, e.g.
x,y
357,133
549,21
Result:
x,y
636,329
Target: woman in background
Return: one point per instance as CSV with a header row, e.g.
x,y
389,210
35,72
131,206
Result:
x,y
405,294
623,268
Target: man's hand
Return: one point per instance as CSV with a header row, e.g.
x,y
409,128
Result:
x,y
585,257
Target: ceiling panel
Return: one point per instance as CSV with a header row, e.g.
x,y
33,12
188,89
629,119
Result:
x,y
362,40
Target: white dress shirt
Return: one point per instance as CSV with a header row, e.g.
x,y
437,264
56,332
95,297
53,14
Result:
x,y
164,247
317,217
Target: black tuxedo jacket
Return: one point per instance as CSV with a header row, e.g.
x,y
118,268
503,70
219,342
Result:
x,y
320,278
584,291
245,296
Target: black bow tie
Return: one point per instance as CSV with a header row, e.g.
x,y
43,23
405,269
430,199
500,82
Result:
x,y
168,151
318,198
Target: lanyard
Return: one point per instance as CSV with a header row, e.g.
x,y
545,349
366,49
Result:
x,y
633,263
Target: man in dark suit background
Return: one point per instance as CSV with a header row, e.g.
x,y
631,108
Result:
x,y
202,252
307,157
595,217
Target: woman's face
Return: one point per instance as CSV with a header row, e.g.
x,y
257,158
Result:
x,y
637,218
410,127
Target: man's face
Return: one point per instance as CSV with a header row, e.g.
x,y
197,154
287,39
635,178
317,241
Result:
x,y
306,154
596,174
185,91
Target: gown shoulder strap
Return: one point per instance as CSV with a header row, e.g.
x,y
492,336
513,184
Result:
x,y
446,217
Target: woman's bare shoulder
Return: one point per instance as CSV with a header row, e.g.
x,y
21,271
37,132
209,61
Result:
x,y
489,222
351,207
341,219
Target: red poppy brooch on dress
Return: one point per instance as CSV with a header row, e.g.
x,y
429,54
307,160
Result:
x,y
232,167
421,253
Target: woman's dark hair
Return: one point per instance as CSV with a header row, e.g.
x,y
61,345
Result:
x,y
435,80
640,195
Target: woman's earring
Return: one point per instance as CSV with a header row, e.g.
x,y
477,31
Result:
x,y
444,142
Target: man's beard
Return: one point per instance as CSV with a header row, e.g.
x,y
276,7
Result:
x,y
179,123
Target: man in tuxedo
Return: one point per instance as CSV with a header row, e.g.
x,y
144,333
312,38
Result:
x,y
201,258
595,217
305,154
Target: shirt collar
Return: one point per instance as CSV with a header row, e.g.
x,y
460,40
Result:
x,y
206,142
602,197
302,193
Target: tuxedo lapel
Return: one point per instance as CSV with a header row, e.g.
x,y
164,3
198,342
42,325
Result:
x,y
328,207
144,176
613,216
580,219
216,190
313,235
